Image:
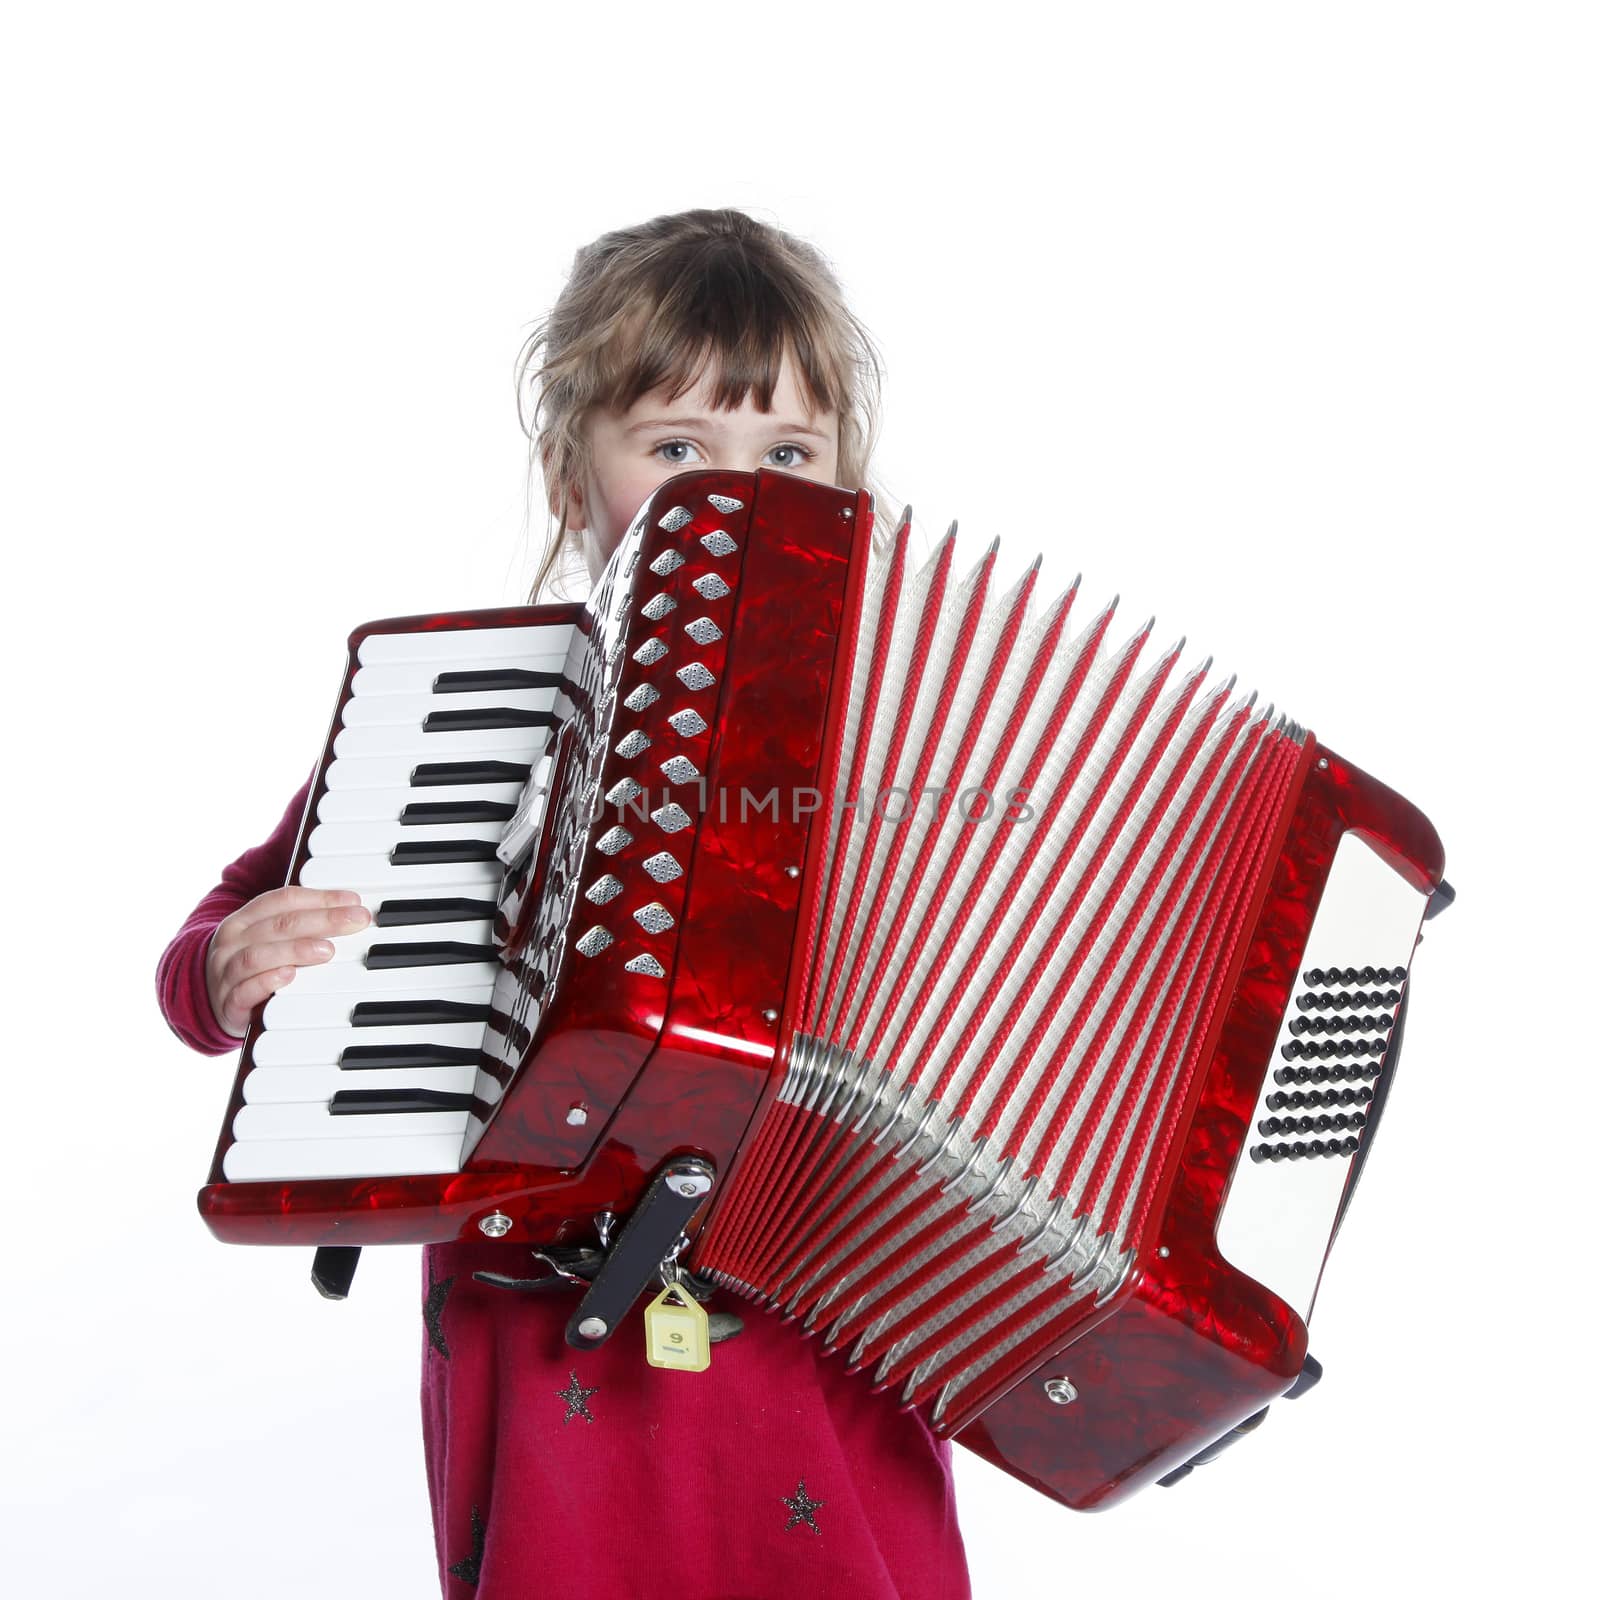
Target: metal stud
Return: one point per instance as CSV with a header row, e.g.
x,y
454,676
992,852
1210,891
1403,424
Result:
x,y
710,587
496,1225
622,792
666,563
695,676
613,840
679,769
602,890
643,697
703,630
633,744
718,543
659,606
688,723
653,918
663,868
649,652
677,517
648,965
725,503
594,941
671,818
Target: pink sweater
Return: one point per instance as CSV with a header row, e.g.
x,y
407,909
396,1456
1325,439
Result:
x,y
559,1473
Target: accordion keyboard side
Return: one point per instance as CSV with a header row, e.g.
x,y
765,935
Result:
x,y
439,724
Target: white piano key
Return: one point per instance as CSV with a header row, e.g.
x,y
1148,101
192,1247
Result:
x,y
480,879
290,1119
463,644
274,1159
417,677
379,838
393,983
351,948
264,1086
375,805
484,744
322,1047
288,1009
371,711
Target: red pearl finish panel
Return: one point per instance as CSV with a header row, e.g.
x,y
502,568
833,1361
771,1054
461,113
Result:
x,y
1194,1346
599,1021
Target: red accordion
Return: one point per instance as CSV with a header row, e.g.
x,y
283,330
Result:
x,y
1011,1010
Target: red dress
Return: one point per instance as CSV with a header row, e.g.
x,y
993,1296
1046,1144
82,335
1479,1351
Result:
x,y
559,1473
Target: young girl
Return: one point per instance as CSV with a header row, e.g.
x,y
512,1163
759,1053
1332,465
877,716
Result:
x,y
704,339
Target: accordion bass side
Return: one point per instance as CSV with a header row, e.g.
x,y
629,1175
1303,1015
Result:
x,y
1011,1011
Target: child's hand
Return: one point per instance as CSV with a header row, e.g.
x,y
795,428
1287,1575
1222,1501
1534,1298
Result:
x,y
255,951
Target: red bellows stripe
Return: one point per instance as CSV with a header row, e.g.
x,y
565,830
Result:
x,y
975,1238
1050,876
1165,945
910,964
835,811
864,967
926,628
1019,876
1157,815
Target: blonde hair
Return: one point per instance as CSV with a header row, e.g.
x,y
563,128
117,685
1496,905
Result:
x,y
653,306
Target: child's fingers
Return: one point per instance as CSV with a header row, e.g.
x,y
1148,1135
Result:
x,y
282,905
242,998
275,933
286,923
250,960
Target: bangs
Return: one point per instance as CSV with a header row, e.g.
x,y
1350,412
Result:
x,y
715,313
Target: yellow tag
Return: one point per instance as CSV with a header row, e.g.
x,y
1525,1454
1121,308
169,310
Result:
x,y
675,1331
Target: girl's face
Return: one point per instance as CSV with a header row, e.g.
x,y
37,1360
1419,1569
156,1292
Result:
x,y
633,452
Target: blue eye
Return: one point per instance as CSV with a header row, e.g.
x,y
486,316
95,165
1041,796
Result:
x,y
674,444
795,449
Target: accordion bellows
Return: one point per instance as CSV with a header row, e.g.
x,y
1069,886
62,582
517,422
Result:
x,y
1031,876
1027,998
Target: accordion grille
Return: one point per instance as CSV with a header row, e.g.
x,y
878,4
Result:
x,y
1038,853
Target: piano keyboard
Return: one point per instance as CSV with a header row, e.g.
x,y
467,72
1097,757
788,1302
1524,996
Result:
x,y
365,1064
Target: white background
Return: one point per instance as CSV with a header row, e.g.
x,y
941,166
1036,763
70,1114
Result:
x,y
1279,319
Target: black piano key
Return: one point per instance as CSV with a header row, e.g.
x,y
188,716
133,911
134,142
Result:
x,y
376,1057
434,852
493,680
411,913
378,1102
414,1013
440,953
421,813
486,717
434,774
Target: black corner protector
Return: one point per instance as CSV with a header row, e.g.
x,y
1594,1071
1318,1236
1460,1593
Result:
x,y
332,1268
1310,1377
1441,899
